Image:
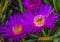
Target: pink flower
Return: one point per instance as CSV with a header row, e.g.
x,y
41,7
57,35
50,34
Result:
x,y
32,5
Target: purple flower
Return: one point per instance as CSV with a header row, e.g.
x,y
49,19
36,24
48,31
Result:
x,y
15,29
32,5
45,17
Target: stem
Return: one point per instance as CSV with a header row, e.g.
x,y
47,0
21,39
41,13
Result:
x,y
44,33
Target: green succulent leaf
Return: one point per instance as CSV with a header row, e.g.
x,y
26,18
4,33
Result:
x,y
1,39
33,36
56,40
30,40
3,18
3,6
57,36
57,5
20,5
22,40
46,1
10,11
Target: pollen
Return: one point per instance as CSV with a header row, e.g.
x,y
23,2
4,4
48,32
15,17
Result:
x,y
17,29
39,20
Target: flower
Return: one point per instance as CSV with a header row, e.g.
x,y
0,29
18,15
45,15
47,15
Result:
x,y
41,19
15,29
32,5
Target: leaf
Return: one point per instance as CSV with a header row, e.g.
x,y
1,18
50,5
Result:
x,y
46,1
22,40
9,12
56,40
20,5
30,41
47,38
4,6
33,36
50,2
1,39
57,36
3,18
57,5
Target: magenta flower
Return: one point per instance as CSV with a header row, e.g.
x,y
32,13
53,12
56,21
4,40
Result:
x,y
32,5
15,29
41,19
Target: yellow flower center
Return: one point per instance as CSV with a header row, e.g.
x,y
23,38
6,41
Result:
x,y
17,29
39,20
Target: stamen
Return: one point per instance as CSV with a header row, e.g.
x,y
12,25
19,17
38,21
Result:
x,y
39,20
17,29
